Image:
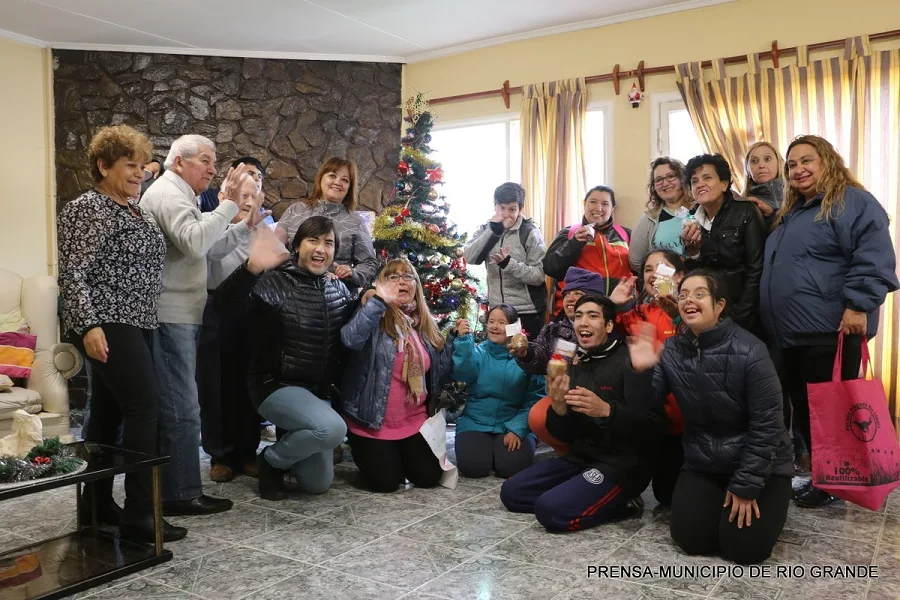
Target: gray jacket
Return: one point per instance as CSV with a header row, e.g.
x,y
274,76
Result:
x,y
642,239
367,379
520,281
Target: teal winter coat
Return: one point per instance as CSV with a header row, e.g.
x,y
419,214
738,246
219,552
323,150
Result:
x,y
500,392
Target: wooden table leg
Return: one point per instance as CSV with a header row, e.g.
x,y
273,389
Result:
x,y
157,513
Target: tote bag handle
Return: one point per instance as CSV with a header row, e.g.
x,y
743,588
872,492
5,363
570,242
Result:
x,y
839,358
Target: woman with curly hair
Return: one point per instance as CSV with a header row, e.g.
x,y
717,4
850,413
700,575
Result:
x,y
660,226
829,265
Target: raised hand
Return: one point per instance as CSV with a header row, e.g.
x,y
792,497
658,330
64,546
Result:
x,y
557,388
231,186
256,214
643,348
266,252
669,304
95,344
691,237
624,291
386,292
462,327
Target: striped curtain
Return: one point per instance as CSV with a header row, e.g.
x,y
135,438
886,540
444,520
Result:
x,y
852,100
553,166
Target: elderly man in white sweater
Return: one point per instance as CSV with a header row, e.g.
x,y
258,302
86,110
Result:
x,y
190,237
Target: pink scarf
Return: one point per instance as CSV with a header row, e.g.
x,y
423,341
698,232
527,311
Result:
x,y
413,362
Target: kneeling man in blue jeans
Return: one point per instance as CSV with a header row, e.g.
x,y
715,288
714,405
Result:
x,y
295,311
613,423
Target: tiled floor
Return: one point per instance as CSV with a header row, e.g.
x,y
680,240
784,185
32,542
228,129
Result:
x,y
460,544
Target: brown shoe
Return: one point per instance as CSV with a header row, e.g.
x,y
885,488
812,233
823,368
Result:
x,y
250,469
338,455
221,473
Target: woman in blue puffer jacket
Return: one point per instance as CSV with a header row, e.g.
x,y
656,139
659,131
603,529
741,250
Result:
x,y
492,432
398,365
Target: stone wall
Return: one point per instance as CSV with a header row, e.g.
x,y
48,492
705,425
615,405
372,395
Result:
x,y
290,114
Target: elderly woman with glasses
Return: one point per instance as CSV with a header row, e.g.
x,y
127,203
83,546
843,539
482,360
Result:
x,y
734,490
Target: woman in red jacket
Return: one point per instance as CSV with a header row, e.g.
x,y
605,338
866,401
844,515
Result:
x,y
661,311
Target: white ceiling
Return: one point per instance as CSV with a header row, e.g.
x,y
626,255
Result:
x,y
372,30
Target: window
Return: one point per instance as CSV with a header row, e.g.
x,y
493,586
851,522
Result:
x,y
673,130
478,157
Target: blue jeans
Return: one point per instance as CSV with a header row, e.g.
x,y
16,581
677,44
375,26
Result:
x,y
175,363
314,430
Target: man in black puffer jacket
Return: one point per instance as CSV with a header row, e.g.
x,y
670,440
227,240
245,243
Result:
x,y
296,313
613,423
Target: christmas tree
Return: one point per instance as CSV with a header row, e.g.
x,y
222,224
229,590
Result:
x,y
415,224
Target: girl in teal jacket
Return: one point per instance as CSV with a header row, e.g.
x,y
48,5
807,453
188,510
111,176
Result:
x,y
492,432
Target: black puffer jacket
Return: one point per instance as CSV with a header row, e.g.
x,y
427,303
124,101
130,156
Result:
x,y
295,321
625,444
727,389
733,247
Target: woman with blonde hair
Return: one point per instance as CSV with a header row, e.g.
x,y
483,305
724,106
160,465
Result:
x,y
765,184
399,362
660,227
335,195
829,264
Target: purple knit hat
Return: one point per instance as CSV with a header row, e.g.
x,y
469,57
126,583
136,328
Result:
x,y
584,280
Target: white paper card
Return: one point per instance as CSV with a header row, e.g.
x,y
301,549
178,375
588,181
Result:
x,y
434,430
664,270
514,329
565,348
591,231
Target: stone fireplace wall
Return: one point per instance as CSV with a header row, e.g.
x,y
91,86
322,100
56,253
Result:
x,y
290,114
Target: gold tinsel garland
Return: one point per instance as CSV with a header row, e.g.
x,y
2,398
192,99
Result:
x,y
412,155
386,228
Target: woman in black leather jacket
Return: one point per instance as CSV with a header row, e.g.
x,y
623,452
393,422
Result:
x,y
734,490
727,235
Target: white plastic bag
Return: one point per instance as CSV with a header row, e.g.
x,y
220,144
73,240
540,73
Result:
x,y
434,430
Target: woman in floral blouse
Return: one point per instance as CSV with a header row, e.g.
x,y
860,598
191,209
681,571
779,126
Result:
x,y
110,275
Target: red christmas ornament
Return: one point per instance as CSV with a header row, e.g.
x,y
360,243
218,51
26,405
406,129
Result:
x,y
403,168
434,228
404,212
42,460
435,175
398,219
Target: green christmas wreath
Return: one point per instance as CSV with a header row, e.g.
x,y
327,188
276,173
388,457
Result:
x,y
48,459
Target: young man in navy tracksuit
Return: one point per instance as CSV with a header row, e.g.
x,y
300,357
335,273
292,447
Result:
x,y
613,423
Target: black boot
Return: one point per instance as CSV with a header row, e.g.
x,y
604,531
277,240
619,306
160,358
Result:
x,y
809,496
271,480
139,527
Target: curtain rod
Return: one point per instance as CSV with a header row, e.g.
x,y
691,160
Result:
x,y
616,75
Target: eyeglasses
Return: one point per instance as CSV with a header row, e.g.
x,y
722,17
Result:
x,y
668,178
395,278
698,296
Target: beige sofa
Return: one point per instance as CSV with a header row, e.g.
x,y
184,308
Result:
x,y
54,363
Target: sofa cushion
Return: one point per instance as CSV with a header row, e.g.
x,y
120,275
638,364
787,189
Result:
x,y
19,398
17,354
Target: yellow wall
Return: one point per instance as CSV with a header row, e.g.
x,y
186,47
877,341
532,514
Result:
x,y
27,215
729,29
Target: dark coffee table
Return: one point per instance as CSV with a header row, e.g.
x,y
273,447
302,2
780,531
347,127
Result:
x,y
90,556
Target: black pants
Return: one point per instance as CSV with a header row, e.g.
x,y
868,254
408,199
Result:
x,y
814,364
699,523
385,465
668,467
532,324
478,452
124,394
229,424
